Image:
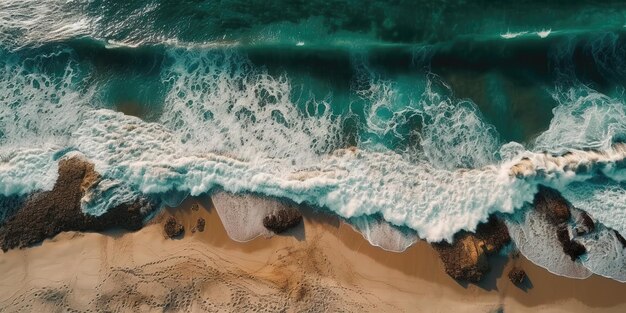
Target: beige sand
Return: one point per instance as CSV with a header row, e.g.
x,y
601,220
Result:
x,y
322,266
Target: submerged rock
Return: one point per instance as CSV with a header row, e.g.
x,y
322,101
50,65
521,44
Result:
x,y
46,214
466,258
571,247
550,202
172,228
517,275
585,224
574,249
558,212
282,220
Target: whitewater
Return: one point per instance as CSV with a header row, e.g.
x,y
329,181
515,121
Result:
x,y
399,156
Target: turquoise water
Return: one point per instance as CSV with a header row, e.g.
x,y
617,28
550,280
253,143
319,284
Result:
x,y
403,117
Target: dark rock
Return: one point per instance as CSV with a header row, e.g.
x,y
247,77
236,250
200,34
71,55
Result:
x,y
586,224
571,247
172,228
199,225
574,249
517,275
620,238
282,220
466,258
562,234
46,214
494,233
550,202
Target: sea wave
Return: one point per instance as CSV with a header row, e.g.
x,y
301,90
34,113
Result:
x,y
425,163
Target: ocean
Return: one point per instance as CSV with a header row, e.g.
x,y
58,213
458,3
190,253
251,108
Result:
x,y
406,118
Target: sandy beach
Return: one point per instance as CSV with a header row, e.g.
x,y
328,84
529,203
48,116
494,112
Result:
x,y
322,265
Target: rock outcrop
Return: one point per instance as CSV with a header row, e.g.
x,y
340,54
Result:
x,y
46,214
558,212
550,202
517,275
282,220
571,247
466,258
172,228
584,224
200,224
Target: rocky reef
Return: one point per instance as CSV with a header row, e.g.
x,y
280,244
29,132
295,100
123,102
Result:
x,y
466,258
45,214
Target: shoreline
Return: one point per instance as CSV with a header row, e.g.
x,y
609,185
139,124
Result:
x,y
323,263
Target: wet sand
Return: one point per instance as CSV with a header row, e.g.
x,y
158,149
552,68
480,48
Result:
x,y
323,265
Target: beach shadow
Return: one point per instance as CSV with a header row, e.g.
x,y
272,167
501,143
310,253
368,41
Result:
x,y
298,232
497,263
312,215
489,281
525,285
115,233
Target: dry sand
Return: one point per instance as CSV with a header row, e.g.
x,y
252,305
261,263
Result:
x,y
323,265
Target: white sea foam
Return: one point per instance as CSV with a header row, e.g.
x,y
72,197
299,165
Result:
x,y
380,233
574,166
536,239
242,215
38,111
23,171
220,129
36,107
220,102
605,254
107,194
434,202
544,33
605,202
511,35
584,119
453,133
32,22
